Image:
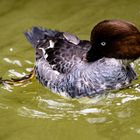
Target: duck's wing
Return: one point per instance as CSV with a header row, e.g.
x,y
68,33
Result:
x,y
62,50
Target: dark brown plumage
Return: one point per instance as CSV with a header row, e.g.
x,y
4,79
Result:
x,y
114,39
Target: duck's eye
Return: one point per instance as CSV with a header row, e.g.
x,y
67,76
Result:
x,y
103,43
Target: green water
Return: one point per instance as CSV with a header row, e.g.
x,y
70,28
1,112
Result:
x,y
31,112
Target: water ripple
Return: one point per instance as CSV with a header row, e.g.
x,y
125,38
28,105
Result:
x,y
31,113
130,98
96,120
12,72
14,62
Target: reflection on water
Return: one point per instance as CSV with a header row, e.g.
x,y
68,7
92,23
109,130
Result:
x,y
17,62
59,109
105,113
96,110
113,110
33,112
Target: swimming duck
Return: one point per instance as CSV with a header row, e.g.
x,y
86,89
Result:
x,y
77,68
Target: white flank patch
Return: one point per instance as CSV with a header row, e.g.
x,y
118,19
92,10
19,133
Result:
x,y
51,44
44,52
56,72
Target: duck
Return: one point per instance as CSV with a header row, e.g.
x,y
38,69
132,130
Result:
x,y
76,68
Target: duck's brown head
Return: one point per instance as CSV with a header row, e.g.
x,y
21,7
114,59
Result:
x,y
114,39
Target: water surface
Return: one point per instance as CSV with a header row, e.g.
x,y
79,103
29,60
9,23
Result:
x,y
32,112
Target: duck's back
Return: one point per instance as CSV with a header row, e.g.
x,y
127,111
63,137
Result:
x,y
62,50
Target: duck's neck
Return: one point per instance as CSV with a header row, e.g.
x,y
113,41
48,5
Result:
x,y
92,56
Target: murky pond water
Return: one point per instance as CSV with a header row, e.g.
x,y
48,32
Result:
x,y
31,112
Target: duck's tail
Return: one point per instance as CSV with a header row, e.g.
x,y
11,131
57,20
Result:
x,y
37,34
